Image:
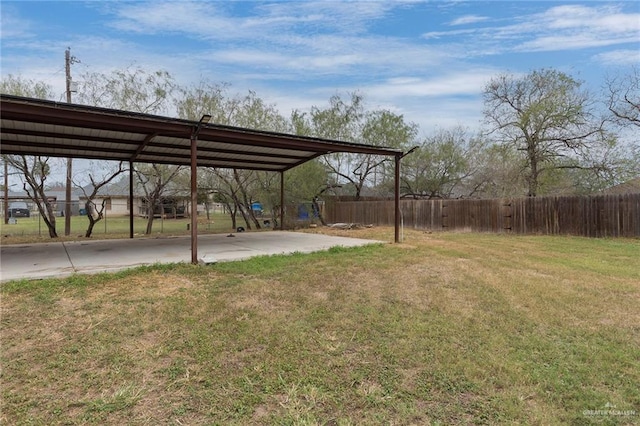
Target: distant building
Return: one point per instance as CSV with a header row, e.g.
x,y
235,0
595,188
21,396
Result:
x,y
629,187
116,201
115,197
57,196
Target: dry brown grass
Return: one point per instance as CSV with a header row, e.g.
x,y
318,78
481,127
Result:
x,y
449,328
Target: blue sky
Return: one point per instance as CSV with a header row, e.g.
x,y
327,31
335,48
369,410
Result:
x,y
427,60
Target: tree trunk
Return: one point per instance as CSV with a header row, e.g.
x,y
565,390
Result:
x,y
247,211
316,208
90,207
92,222
49,218
358,190
90,228
232,214
253,218
48,215
532,179
150,223
151,203
245,216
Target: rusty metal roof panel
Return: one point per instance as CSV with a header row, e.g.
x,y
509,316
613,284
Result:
x,y
38,127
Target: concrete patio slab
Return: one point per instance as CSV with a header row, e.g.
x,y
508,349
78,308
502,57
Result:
x,y
44,260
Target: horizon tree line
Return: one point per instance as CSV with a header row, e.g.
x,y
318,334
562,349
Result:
x,y
543,134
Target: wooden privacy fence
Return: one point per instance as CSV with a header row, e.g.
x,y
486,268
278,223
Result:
x,y
591,216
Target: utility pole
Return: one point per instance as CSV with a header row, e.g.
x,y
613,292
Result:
x,y
68,60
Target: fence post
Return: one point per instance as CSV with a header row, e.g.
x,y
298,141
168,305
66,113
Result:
x,y
507,226
445,214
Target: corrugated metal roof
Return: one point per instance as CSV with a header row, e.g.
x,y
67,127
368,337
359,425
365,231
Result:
x,y
39,127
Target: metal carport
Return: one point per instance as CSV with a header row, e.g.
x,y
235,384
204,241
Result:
x,y
54,129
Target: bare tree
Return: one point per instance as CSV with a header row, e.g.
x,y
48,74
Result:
x,y
236,189
442,165
34,172
18,86
131,89
623,101
154,180
95,213
545,115
350,121
134,89
500,173
623,97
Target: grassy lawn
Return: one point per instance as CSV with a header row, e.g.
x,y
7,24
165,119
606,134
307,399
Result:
x,y
441,329
33,229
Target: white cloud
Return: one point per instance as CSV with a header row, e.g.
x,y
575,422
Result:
x,y
213,20
604,18
556,29
293,40
12,26
441,34
298,54
468,19
200,19
570,42
619,57
344,17
577,27
467,83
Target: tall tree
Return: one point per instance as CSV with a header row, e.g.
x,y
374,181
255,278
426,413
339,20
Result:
x,y
547,116
33,171
95,213
155,180
253,112
205,98
308,183
130,89
623,97
137,90
214,99
237,189
18,86
442,165
349,121
500,173
623,101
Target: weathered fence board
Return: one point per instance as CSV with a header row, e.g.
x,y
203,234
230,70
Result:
x,y
591,216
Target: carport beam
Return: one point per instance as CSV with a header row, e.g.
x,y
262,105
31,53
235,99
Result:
x,y
397,198
194,197
194,187
398,213
130,199
6,192
281,201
